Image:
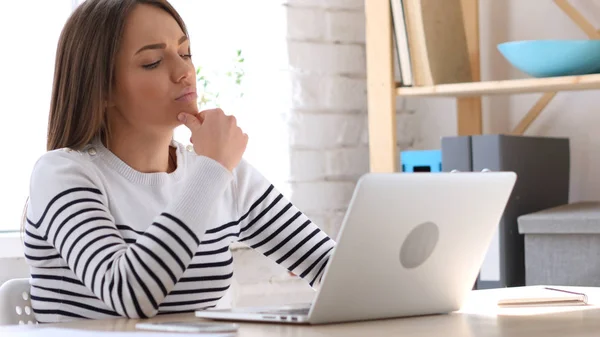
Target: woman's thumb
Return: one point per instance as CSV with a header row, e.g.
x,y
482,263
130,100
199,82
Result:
x,y
189,120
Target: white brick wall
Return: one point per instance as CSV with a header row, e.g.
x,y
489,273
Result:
x,y
322,196
324,131
314,27
332,92
327,4
408,128
347,164
326,57
346,26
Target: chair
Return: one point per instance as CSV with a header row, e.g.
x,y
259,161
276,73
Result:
x,y
15,302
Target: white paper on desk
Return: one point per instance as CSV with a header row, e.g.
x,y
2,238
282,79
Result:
x,y
544,296
38,331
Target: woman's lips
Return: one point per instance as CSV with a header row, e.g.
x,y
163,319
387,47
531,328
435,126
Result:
x,y
192,96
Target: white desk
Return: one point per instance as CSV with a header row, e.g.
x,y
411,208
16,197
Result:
x,y
478,317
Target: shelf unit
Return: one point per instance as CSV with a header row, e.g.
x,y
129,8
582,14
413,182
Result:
x,y
383,89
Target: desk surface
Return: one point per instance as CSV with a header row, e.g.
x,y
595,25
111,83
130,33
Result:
x,y
479,317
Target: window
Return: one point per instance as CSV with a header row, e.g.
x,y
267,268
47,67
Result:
x,y
29,39
217,29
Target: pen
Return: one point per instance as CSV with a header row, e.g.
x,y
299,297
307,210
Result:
x,y
564,291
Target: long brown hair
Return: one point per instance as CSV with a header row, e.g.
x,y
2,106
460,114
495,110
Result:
x,y
84,70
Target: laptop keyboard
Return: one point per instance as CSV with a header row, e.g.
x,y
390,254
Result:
x,y
294,311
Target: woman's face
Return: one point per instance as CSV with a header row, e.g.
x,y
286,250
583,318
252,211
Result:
x,y
155,78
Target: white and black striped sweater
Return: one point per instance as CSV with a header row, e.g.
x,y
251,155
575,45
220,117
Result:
x,y
103,240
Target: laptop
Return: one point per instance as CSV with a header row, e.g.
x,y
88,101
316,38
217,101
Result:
x,y
411,244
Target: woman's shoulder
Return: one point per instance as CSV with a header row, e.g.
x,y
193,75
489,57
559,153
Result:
x,y
65,161
67,156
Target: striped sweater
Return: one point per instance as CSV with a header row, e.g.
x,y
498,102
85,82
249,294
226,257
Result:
x,y
103,240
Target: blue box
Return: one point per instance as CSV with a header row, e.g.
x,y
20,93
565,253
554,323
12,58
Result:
x,y
421,161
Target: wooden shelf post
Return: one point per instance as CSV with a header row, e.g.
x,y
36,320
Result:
x,y
578,18
468,109
381,88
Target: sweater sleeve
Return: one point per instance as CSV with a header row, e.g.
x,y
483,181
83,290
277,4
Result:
x,y
68,208
276,228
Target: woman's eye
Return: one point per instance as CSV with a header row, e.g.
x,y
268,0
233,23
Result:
x,y
186,56
151,65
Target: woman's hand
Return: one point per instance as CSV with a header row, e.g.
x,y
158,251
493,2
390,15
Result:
x,y
217,136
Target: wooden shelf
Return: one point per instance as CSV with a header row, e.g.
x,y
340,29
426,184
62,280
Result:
x,y
521,86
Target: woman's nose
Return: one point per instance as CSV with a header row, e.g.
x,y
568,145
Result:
x,y
183,70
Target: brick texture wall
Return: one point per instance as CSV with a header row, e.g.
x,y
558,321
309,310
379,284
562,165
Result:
x,y
328,122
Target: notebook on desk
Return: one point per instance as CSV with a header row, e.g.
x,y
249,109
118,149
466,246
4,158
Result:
x,y
544,296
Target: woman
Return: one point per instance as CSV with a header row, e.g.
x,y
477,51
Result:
x,y
122,220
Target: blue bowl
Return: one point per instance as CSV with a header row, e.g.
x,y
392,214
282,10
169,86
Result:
x,y
548,58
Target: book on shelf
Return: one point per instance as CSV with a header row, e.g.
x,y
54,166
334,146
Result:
x,y
401,39
431,42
